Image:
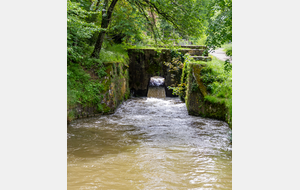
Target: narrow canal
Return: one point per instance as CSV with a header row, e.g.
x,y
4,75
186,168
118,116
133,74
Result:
x,y
148,144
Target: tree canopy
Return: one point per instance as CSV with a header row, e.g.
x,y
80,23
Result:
x,y
220,23
91,22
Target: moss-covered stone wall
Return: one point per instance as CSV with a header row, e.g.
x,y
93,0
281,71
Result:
x,y
195,93
115,91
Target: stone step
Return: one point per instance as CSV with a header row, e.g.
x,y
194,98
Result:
x,y
194,47
194,52
201,58
184,46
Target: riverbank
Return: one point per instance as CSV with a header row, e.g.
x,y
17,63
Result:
x,y
206,89
98,86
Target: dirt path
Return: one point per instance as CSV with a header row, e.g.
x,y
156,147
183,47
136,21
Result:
x,y
220,54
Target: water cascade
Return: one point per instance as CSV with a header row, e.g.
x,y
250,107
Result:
x,y
156,87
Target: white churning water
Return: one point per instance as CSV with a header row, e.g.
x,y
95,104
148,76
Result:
x,y
157,81
156,87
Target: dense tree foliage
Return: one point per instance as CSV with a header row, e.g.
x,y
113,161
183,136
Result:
x,y
133,21
78,30
142,21
220,23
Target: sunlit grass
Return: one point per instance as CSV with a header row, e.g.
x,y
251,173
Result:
x,y
227,47
218,83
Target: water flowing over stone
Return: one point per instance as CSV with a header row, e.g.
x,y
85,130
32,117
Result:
x,y
156,87
157,81
156,92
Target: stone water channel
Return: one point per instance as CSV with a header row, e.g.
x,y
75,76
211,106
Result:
x,y
149,143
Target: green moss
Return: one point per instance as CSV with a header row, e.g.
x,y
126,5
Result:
x,y
71,115
114,53
195,87
106,109
100,108
106,85
118,70
214,99
153,68
197,70
126,95
126,75
109,68
184,73
114,68
217,101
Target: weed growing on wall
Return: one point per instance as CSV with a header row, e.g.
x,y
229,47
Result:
x,y
82,88
218,82
180,88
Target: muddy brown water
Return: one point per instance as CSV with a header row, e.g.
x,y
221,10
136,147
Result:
x,y
156,92
149,143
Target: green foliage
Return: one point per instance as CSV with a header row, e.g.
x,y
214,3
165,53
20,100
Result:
x,y
216,79
114,53
198,40
228,50
84,90
178,90
173,19
78,31
178,60
227,47
227,66
219,30
101,73
81,89
152,22
100,108
218,84
127,24
175,54
195,87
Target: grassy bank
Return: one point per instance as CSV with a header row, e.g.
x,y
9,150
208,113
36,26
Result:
x,y
218,84
85,84
215,85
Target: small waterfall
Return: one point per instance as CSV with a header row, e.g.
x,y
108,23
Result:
x,y
156,87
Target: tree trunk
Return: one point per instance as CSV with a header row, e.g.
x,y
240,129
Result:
x,y
106,16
